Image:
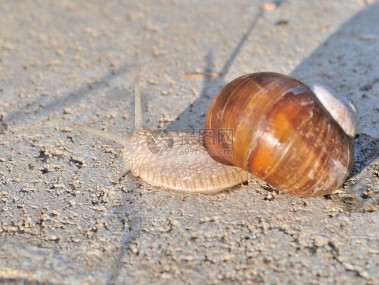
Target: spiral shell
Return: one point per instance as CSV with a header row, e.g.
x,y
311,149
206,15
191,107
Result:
x,y
275,127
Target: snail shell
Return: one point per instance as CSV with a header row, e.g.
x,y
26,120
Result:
x,y
282,133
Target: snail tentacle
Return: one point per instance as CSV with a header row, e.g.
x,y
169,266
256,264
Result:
x,y
138,116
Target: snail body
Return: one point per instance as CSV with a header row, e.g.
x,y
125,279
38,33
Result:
x,y
265,124
173,160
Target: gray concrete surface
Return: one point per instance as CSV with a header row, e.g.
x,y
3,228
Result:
x,y
65,62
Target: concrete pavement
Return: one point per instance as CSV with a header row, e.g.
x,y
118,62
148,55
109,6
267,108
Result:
x,y
62,221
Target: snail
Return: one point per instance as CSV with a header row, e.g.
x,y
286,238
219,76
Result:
x,y
265,125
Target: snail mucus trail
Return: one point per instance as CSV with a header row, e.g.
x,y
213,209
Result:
x,y
298,140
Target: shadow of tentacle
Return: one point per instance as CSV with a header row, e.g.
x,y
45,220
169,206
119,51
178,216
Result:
x,y
189,117
43,106
211,85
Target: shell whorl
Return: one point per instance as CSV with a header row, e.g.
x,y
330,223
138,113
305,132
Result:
x,y
343,111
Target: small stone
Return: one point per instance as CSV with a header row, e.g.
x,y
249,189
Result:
x,y
53,238
269,197
55,213
27,188
77,160
320,241
270,6
67,111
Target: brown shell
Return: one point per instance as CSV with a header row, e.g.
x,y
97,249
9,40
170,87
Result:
x,y
275,127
